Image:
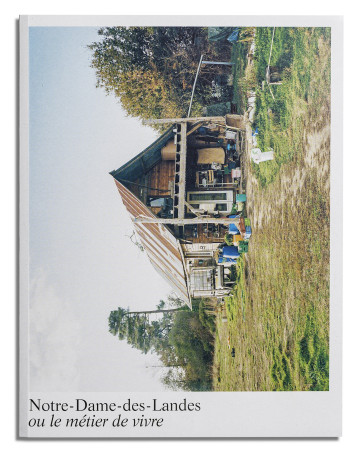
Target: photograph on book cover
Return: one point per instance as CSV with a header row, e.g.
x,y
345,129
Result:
x,y
180,226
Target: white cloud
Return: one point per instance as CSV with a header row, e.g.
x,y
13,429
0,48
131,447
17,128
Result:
x,y
54,337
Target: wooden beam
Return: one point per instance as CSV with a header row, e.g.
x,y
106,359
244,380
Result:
x,y
182,171
186,273
184,221
234,128
195,211
143,165
198,125
178,120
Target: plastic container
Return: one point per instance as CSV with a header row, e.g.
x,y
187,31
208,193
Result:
x,y
241,197
237,238
233,230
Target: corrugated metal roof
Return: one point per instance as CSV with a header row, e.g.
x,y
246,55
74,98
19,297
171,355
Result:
x,y
160,245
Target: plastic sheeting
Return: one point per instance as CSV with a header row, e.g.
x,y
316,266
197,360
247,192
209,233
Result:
x,y
233,38
258,156
220,33
231,252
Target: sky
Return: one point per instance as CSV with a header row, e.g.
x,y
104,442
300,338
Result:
x,y
82,262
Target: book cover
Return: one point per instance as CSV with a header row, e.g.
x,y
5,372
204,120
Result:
x,y
180,226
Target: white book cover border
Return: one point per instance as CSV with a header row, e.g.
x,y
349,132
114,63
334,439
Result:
x,y
237,414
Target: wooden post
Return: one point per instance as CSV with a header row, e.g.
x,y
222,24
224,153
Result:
x,y
178,120
182,171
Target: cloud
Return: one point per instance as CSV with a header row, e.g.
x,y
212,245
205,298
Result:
x,y
54,337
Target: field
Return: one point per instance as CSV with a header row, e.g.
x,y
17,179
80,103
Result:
x,y
278,316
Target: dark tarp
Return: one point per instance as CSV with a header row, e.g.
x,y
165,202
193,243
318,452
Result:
x,y
220,33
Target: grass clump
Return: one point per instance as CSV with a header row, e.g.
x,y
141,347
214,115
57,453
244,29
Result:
x,y
277,317
303,59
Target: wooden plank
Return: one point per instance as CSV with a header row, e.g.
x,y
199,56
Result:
x,y
199,124
160,176
186,273
183,221
143,165
193,210
182,171
178,120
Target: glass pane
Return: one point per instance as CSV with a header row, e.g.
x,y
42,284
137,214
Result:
x,y
205,196
201,280
156,203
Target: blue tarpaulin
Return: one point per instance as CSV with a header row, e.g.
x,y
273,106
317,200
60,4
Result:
x,y
231,252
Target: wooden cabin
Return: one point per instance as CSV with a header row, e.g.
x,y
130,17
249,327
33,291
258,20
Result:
x,y
179,193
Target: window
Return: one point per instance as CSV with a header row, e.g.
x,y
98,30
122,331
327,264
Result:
x,y
221,200
205,196
222,207
202,280
157,202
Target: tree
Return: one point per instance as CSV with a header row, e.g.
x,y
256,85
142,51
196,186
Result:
x,y
183,340
151,69
192,342
141,332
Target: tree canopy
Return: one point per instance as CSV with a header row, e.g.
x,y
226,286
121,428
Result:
x,y
183,340
151,69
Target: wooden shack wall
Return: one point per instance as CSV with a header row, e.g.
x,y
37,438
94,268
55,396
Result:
x,y
160,176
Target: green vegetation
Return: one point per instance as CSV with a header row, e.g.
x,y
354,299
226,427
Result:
x,y
228,239
277,318
183,340
152,69
239,57
302,57
192,340
278,314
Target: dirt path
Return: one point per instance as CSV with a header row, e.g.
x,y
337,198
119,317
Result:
x,y
265,204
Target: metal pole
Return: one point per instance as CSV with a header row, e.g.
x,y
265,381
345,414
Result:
x,y
209,62
196,77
